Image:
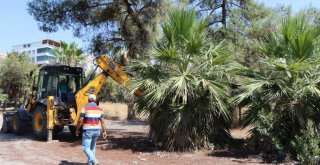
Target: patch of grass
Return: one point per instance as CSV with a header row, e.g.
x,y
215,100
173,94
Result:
x,y
117,111
240,133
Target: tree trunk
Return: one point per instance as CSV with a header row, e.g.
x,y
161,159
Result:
x,y
224,14
4,105
239,108
131,113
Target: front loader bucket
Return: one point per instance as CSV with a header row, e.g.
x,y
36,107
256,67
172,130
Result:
x,y
7,122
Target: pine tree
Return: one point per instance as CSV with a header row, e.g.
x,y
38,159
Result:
x,y
107,24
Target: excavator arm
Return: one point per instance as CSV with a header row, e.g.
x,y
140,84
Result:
x,y
109,69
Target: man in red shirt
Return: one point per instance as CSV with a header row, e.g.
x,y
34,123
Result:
x,y
91,117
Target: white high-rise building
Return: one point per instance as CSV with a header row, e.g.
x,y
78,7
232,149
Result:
x,y
3,55
40,52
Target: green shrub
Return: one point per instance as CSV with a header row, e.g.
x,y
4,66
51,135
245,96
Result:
x,y
284,93
306,146
186,86
113,92
266,133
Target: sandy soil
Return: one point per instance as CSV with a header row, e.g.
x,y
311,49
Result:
x,y
115,111
126,145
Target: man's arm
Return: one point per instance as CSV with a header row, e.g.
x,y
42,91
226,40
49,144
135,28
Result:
x,y
80,122
104,131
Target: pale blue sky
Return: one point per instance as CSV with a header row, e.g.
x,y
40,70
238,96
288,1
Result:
x,y
18,27
295,4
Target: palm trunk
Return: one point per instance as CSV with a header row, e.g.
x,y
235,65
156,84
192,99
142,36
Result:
x,y
131,113
239,108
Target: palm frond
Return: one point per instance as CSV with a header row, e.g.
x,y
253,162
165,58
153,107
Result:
x,y
186,94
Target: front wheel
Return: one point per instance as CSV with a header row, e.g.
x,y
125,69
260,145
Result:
x,y
39,123
19,125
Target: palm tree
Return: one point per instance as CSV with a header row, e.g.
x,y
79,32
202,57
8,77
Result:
x,y
284,93
69,54
74,55
61,52
185,84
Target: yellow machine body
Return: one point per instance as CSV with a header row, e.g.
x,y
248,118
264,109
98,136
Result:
x,y
110,69
82,96
45,124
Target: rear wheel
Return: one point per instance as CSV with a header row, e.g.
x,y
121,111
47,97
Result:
x,y
39,123
6,123
4,128
19,125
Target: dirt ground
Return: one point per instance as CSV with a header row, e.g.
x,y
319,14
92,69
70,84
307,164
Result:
x,y
126,145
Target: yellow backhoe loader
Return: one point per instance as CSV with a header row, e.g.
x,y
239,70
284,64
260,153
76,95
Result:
x,y
58,96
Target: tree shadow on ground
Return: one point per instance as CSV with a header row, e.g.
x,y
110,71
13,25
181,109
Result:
x,y
12,137
135,122
65,162
235,154
238,148
134,141
67,137
116,140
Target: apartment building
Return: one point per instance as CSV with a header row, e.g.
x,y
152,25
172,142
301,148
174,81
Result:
x,y
40,52
3,55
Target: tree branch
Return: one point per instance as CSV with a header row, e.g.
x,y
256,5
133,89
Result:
x,y
204,10
135,18
213,22
199,4
145,7
242,7
116,39
213,9
99,4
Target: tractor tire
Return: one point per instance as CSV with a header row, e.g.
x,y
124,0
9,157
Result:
x,y
19,126
57,129
39,123
6,124
4,128
73,129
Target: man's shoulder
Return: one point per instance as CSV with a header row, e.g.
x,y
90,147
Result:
x,y
92,105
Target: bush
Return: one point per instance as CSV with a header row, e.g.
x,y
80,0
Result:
x,y
266,133
14,80
284,93
113,92
306,146
186,87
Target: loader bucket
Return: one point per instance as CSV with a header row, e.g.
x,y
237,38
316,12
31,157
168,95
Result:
x,y
7,122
